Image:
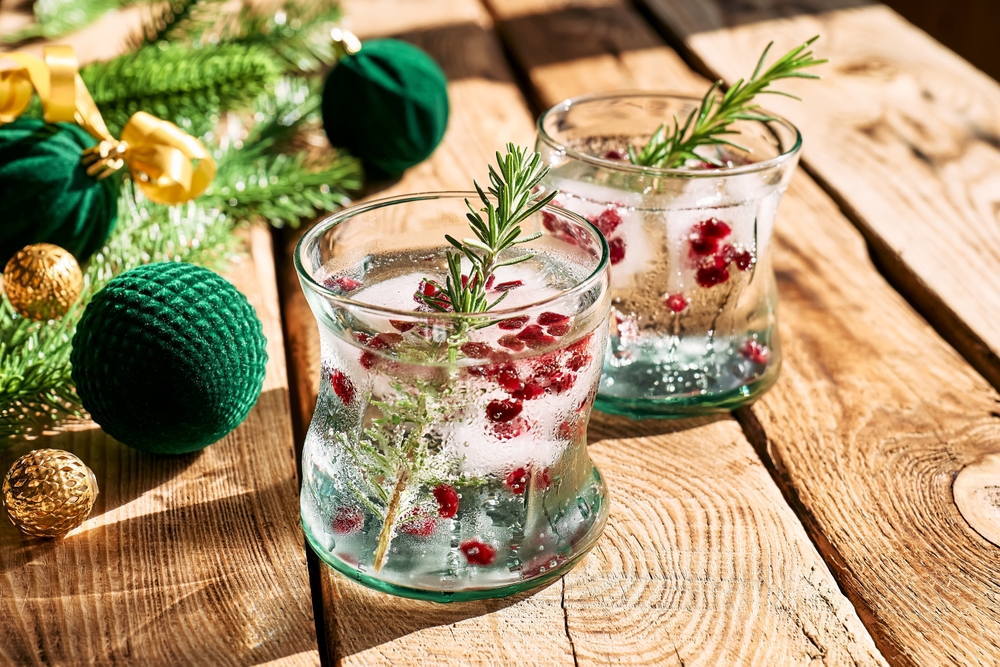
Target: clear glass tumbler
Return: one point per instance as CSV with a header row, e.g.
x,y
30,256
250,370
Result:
x,y
693,327
447,457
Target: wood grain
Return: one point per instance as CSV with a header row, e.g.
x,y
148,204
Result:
x,y
902,132
871,420
184,559
703,562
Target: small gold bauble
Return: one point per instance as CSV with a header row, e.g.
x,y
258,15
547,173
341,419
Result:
x,y
49,492
42,281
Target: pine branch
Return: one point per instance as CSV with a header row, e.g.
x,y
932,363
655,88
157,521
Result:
x,y
188,86
55,18
710,124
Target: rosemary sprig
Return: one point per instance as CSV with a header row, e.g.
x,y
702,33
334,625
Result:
x,y
513,188
709,124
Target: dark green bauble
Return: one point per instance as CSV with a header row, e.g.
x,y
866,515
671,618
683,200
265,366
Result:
x,y
386,104
168,358
46,195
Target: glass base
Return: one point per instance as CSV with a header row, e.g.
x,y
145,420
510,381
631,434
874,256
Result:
x,y
688,405
584,545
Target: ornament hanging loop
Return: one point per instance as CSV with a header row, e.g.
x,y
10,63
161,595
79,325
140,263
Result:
x,y
345,42
105,158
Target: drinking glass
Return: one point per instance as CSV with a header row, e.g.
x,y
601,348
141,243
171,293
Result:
x,y
447,457
693,326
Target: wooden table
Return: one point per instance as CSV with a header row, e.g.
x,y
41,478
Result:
x,y
850,517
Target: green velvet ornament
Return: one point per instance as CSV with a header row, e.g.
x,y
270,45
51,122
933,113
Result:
x,y
388,105
168,358
47,196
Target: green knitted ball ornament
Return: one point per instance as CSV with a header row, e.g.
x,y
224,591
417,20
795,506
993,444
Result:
x,y
387,104
168,358
47,196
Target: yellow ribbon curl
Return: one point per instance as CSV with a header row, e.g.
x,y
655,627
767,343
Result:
x,y
169,165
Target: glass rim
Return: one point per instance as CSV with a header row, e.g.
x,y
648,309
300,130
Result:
x,y
349,212
677,172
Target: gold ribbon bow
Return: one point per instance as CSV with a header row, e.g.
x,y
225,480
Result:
x,y
169,165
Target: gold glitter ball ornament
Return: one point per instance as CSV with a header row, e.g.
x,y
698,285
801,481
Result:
x,y
42,281
49,492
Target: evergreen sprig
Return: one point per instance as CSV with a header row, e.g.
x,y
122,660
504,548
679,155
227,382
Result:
x,y
186,85
711,122
513,188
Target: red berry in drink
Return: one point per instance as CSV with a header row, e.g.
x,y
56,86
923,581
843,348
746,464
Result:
x,y
517,481
514,323
701,245
616,248
614,155
561,383
344,283
712,228
529,392
508,286
511,342
534,337
447,499
478,552
477,350
386,341
708,276
548,317
755,351
579,356
402,326
726,254
508,379
342,385
676,302
558,330
744,260
418,526
367,360
347,520
503,411
608,221
511,429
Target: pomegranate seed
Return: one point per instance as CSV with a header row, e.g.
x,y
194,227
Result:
x,y
465,280
513,323
676,302
402,326
617,250
551,318
508,379
529,392
362,337
511,429
614,155
478,552
558,329
503,411
608,221
347,520
477,350
447,498
755,351
517,481
489,281
428,288
549,221
568,430
367,360
511,342
702,245
712,228
508,286
744,260
420,526
385,341
345,283
579,356
707,276
562,383
342,385
534,337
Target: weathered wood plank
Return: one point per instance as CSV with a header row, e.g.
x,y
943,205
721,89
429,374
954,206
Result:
x,y
702,560
902,132
183,557
866,429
